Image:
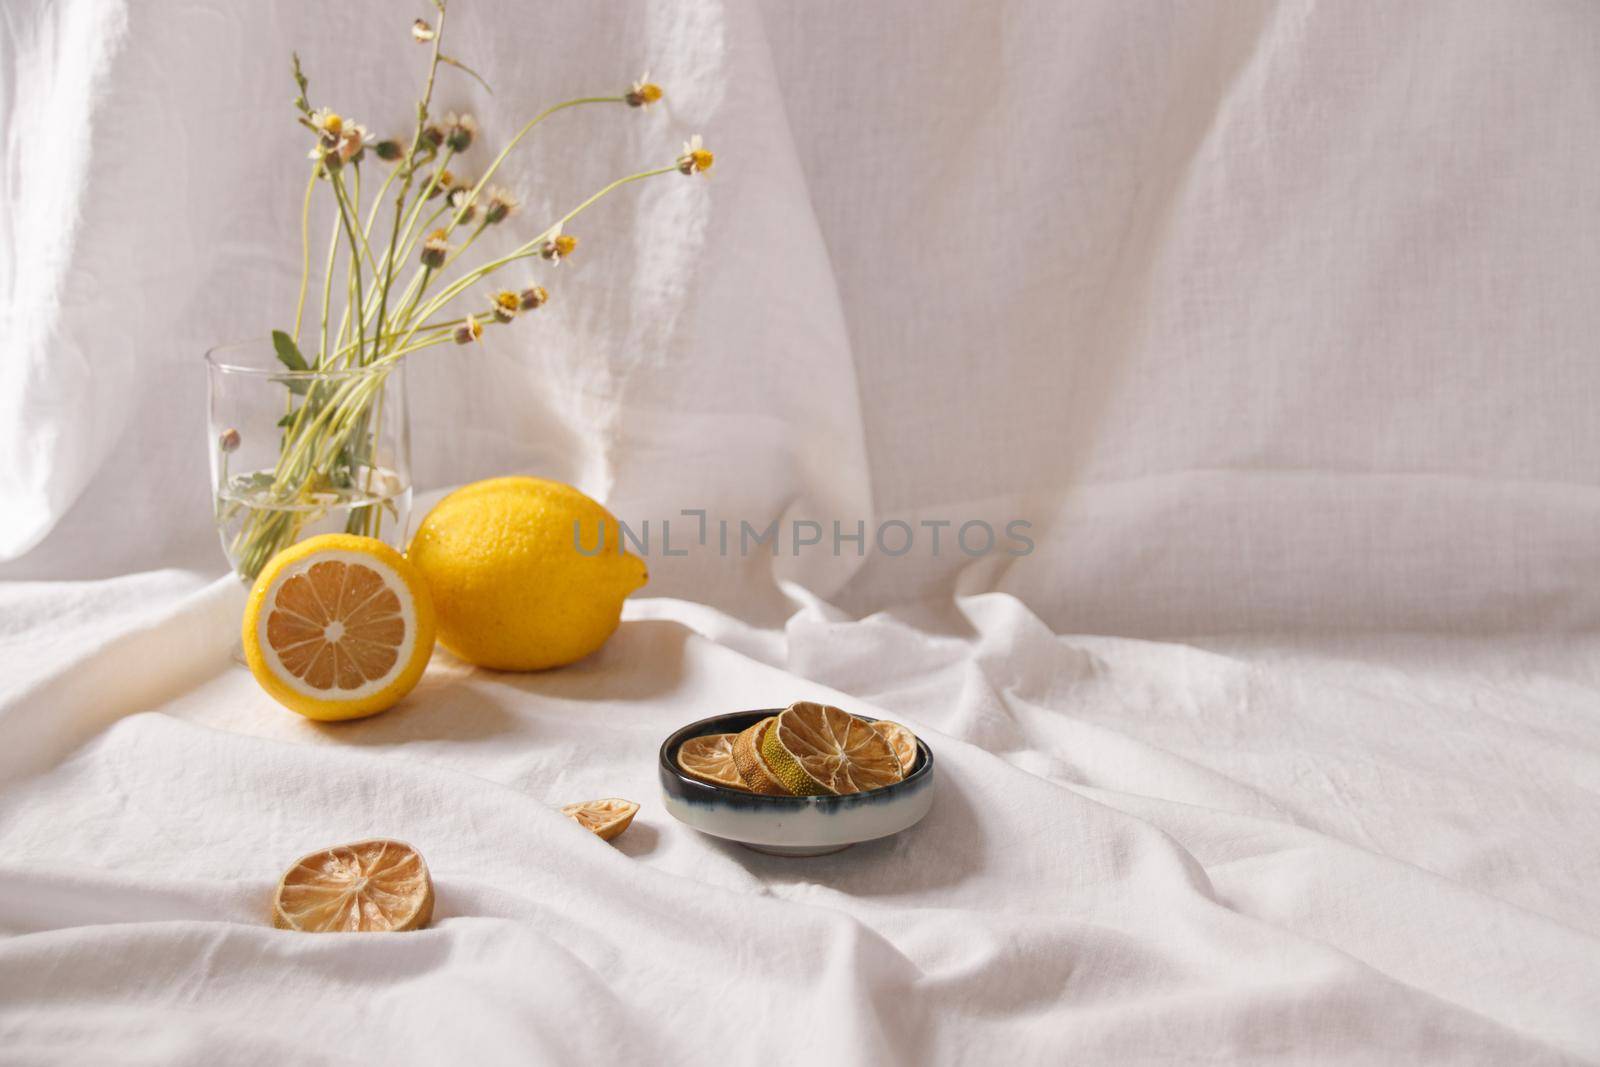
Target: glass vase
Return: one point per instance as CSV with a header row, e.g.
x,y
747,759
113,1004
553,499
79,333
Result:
x,y
296,453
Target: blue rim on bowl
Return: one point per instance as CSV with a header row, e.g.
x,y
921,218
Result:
x,y
791,826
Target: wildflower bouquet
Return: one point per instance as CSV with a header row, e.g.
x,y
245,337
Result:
x,y
393,292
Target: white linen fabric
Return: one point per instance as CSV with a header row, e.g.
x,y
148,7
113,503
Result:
x,y
1137,851
1275,321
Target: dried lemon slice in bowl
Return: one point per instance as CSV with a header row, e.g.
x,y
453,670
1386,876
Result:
x,y
710,759
370,886
814,749
902,740
753,770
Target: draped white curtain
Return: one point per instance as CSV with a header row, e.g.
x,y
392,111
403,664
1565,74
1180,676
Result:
x,y
1265,315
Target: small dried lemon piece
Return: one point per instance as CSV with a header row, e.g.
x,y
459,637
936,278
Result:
x,y
710,759
365,887
902,740
604,818
817,749
757,776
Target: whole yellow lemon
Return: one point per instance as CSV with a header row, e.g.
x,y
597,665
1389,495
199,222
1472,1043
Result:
x,y
511,590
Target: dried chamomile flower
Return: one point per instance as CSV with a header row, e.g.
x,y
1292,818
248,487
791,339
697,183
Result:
x,y
461,200
443,185
506,304
696,158
459,131
559,247
339,141
435,248
421,32
328,123
432,135
533,297
388,150
643,92
501,203
469,331
228,440
353,143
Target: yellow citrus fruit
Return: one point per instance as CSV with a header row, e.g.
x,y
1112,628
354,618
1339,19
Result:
x,y
367,886
753,770
902,740
338,627
710,759
604,818
816,749
511,587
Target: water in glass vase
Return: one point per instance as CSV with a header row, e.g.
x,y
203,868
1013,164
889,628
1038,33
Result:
x,y
255,521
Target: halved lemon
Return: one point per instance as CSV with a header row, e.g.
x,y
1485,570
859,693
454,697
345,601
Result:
x,y
338,627
815,749
902,740
370,886
710,759
604,818
753,770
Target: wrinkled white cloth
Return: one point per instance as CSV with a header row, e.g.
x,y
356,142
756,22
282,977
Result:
x,y
1137,851
1275,321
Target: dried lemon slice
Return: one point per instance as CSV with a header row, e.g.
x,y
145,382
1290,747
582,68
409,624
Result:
x,y
902,740
604,818
710,759
368,886
815,749
757,777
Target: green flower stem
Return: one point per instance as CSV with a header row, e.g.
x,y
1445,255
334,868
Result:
x,y
407,239
411,245
483,182
327,296
419,281
377,202
420,277
347,399
471,237
446,324
305,254
329,433
302,435
531,248
408,234
370,520
349,216
371,303
413,293
350,208
411,168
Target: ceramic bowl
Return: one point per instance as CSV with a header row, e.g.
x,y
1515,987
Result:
x,y
789,826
